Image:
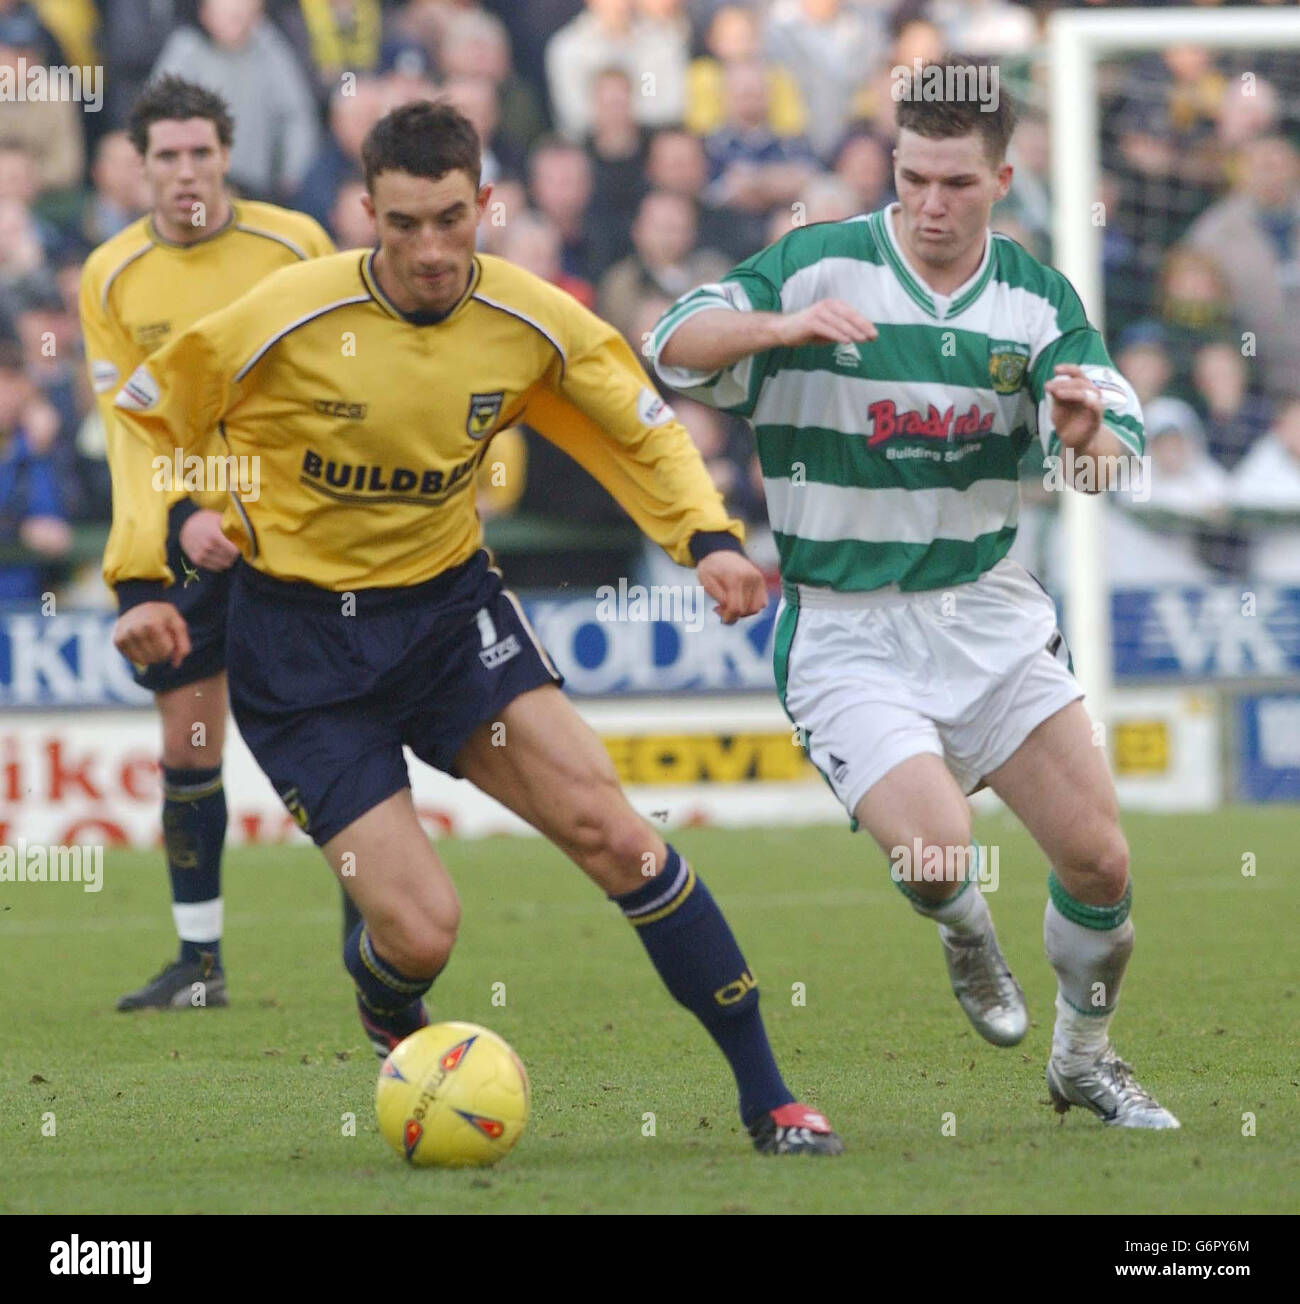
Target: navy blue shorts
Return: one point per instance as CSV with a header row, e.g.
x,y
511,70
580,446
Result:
x,y
201,596
326,700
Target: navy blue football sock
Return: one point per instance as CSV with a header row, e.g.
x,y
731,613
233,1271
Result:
x,y
385,996
695,954
194,833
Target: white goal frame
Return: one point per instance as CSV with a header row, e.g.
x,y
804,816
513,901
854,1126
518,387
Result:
x,y
1077,41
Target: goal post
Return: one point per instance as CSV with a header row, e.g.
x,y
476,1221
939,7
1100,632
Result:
x,y
1077,41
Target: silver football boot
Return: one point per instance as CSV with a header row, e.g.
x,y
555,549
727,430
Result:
x,y
984,987
1107,1087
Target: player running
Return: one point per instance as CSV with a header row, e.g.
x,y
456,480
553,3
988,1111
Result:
x,y
895,368
366,614
196,251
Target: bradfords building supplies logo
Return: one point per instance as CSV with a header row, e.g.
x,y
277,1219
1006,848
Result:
x,y
22,82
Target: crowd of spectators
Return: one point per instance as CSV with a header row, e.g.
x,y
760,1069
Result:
x,y
640,147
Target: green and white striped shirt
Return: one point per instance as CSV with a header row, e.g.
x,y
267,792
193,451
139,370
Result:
x,y
896,461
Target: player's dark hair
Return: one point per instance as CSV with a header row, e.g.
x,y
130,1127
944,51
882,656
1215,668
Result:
x,y
424,139
939,118
173,99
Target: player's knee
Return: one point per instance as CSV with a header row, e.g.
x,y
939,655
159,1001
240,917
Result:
x,y
933,864
1098,874
417,944
610,840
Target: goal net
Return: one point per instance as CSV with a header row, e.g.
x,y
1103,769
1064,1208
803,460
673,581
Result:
x,y
1174,141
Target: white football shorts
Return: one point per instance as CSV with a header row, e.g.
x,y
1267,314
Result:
x,y
964,673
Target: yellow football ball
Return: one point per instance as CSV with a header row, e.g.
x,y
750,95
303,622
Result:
x,y
454,1095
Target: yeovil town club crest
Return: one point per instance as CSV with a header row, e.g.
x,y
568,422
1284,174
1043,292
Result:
x,y
1008,360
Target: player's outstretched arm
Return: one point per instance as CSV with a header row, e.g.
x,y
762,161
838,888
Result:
x,y
720,337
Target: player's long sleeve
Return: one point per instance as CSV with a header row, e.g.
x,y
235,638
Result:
x,y
734,388
169,405
111,357
627,437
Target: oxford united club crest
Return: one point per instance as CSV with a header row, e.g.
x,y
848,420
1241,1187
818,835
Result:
x,y
483,412
1007,362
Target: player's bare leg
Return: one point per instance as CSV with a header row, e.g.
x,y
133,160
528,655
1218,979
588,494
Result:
x,y
193,721
385,862
1059,786
550,768
919,805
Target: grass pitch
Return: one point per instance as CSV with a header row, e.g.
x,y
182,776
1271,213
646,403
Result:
x,y
245,1109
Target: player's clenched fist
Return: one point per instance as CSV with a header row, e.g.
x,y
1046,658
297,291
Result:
x,y
734,583
152,632
829,321
204,544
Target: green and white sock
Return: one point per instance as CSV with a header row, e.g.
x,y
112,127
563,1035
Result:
x,y
1089,948
964,914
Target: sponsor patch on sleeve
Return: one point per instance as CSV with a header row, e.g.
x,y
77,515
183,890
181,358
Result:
x,y
103,375
652,410
140,392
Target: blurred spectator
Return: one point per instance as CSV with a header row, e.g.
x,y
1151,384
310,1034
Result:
x,y
1245,112
824,199
19,181
915,38
49,334
1266,484
1234,416
21,28
664,261
1155,541
750,167
1255,232
610,33
831,48
1028,203
349,224
130,45
49,129
1193,307
31,509
21,252
353,111
476,44
864,163
984,27
1168,166
560,188
509,201
1142,356
331,37
734,36
120,193
238,52
726,446
1126,284
617,145
677,163
533,243
476,98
